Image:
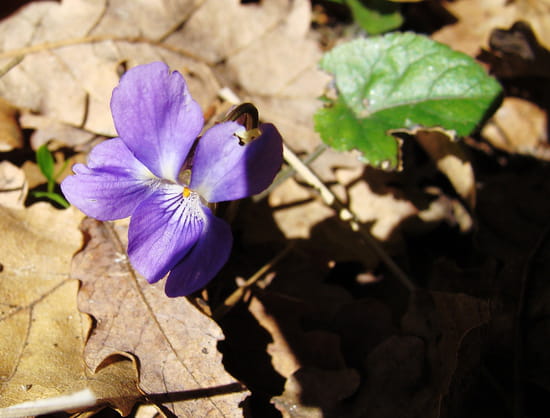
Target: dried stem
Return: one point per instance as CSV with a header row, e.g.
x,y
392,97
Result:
x,y
48,46
238,294
75,401
345,215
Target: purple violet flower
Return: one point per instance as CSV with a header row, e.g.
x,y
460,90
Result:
x,y
154,173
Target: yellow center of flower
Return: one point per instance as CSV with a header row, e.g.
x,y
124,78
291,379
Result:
x,y
186,191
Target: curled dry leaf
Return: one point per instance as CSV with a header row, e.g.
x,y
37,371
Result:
x,y
175,343
451,159
43,333
519,127
46,129
385,209
516,52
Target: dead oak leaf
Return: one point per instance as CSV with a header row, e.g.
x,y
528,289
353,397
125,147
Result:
x,y
42,333
73,53
34,257
174,342
50,363
219,28
442,320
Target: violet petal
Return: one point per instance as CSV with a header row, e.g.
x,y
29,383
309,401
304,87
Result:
x,y
162,230
156,117
112,184
204,260
224,170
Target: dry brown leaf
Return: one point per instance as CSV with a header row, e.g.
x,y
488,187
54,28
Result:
x,y
516,52
394,388
442,320
13,186
444,209
174,342
98,37
10,133
385,211
46,130
43,333
477,19
410,374
363,324
315,393
282,350
86,71
218,29
451,159
295,212
519,126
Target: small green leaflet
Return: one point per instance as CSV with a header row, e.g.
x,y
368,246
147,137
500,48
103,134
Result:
x,y
46,163
400,81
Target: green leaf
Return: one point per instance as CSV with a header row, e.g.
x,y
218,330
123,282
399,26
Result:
x,y
400,81
376,16
57,198
45,162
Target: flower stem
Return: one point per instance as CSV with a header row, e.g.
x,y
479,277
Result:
x,y
345,215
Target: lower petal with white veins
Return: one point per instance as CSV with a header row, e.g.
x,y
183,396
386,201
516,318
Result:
x,y
204,260
163,229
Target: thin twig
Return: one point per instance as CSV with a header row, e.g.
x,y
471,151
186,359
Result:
x,y
345,214
238,294
290,171
75,401
13,62
47,46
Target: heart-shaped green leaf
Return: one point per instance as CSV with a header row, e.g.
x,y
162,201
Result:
x,y
400,81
